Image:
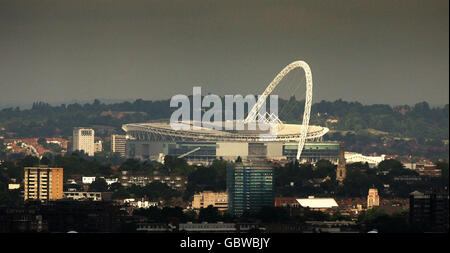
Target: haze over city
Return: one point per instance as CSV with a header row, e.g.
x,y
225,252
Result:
x,y
374,52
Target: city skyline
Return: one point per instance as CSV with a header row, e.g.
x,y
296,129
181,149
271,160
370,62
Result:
x,y
374,53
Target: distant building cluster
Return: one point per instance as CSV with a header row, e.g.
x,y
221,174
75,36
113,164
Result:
x,y
425,169
173,181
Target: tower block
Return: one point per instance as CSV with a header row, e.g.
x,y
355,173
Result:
x,y
340,171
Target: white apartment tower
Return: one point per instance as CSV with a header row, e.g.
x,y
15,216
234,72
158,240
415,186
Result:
x,y
118,143
83,139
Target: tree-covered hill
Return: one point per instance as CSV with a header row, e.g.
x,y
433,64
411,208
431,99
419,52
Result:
x,y
43,120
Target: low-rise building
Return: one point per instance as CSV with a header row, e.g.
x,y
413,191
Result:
x,y
111,181
95,196
140,203
286,201
428,170
13,186
173,181
87,180
154,227
318,204
206,227
209,198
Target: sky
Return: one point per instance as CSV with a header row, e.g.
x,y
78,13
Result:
x,y
374,52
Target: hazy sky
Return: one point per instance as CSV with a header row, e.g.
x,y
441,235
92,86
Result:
x,y
388,51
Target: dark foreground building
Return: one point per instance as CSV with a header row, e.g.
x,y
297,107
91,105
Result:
x,y
429,210
62,216
250,187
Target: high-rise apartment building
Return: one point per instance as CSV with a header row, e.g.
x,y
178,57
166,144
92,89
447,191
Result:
x,y
373,199
429,210
43,183
209,198
118,143
250,187
83,139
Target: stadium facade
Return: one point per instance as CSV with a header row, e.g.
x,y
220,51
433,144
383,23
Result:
x,y
154,140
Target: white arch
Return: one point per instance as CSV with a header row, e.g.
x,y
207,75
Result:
x,y
309,84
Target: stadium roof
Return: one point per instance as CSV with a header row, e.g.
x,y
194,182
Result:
x,y
163,131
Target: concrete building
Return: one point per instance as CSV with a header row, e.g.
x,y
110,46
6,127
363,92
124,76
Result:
x,y
98,147
118,144
209,198
43,183
373,199
249,187
83,139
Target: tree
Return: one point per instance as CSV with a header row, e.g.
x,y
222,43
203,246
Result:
x,y
325,168
384,223
30,161
41,141
99,185
209,214
272,214
45,160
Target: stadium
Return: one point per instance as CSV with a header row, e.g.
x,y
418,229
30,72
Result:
x,y
204,144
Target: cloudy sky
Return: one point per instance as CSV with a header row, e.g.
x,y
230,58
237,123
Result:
x,y
385,51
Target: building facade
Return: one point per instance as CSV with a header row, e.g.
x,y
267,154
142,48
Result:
x,y
209,198
43,183
118,144
83,139
98,146
208,151
341,171
373,199
429,210
249,187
